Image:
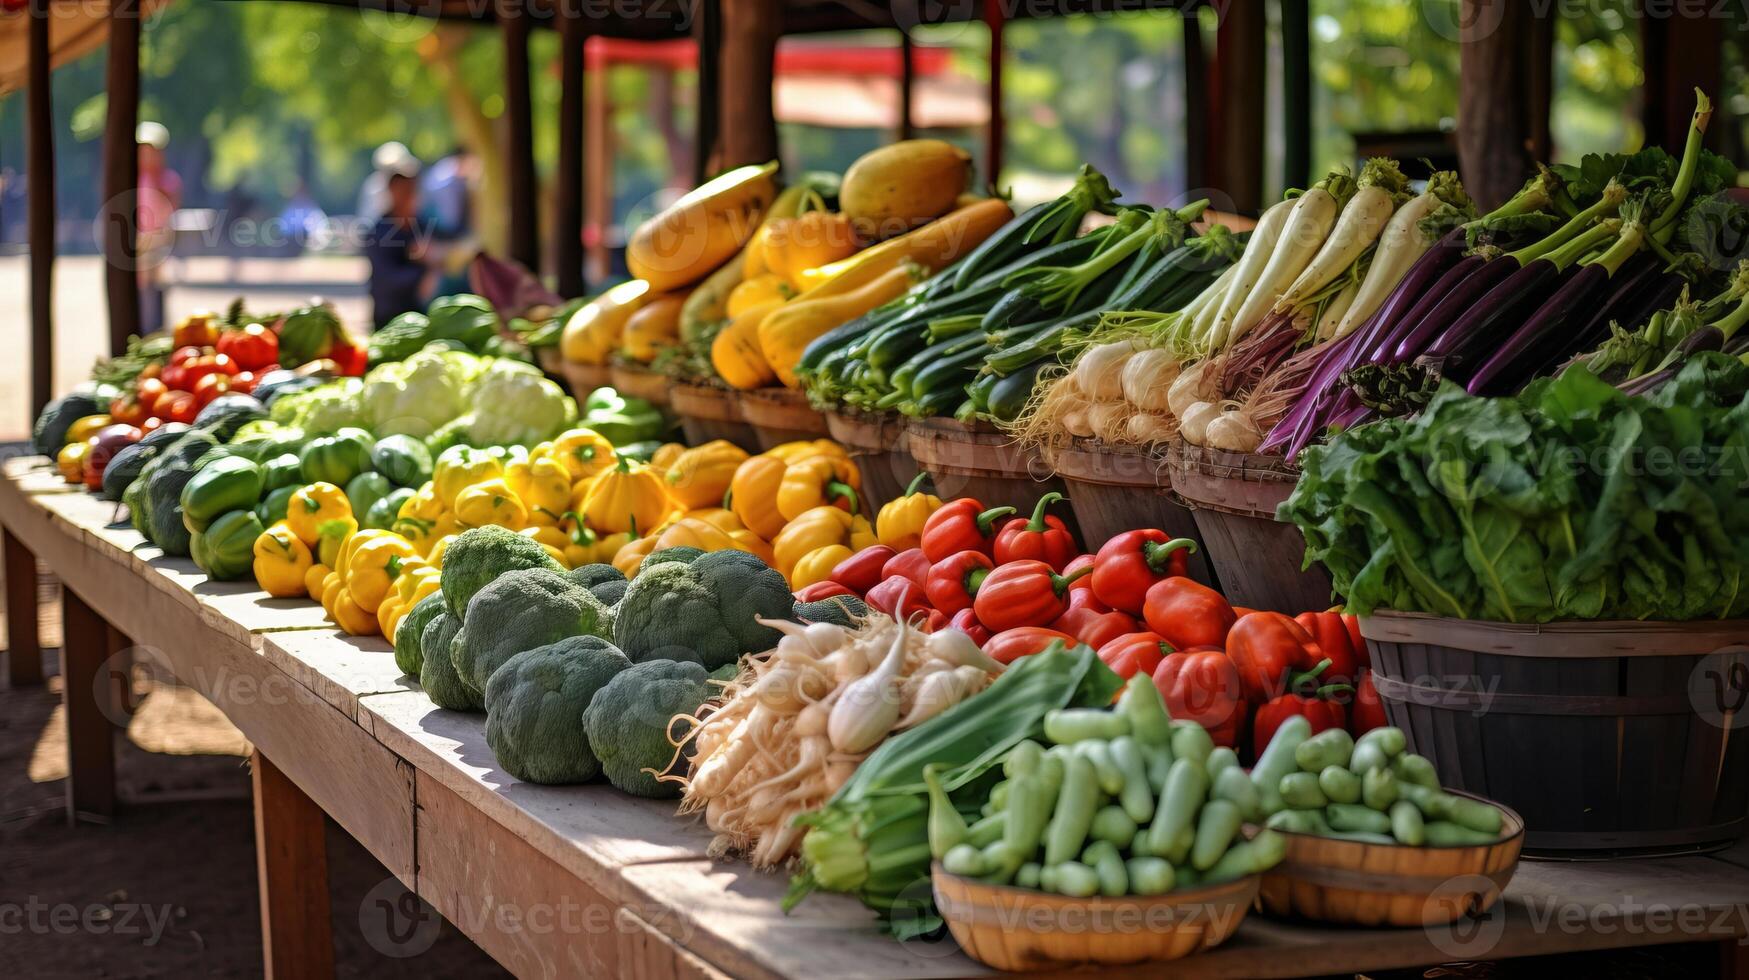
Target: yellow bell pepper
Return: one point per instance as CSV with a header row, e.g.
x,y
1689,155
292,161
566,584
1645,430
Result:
x,y
818,528
752,543
490,502
281,560
753,494
665,455
438,547
724,520
626,498
351,617
70,461
332,540
423,505
817,565
701,475
694,533
547,535
460,467
818,481
801,449
332,586
313,506
899,525
584,452
314,576
542,484
631,555
373,564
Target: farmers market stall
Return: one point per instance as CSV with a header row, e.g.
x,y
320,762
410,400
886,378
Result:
x,y
338,730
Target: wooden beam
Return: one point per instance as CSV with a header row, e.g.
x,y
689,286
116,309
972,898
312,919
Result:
x,y
40,165
1296,91
1196,83
996,131
1681,50
907,84
708,29
89,704
291,863
1238,101
519,142
568,177
1499,46
121,173
747,119
24,653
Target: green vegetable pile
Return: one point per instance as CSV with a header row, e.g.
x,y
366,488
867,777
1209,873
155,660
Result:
x,y
1570,500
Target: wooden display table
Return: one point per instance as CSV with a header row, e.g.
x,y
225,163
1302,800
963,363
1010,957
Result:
x,y
584,880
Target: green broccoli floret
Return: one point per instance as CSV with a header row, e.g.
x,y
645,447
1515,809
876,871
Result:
x,y
535,705
702,611
410,634
627,723
481,554
840,610
437,675
684,554
610,593
520,610
589,576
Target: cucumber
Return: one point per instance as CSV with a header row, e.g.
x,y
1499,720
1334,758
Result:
x,y
1005,397
953,370
1007,244
843,335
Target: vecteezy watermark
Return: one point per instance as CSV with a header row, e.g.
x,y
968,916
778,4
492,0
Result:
x,y
1473,935
397,923
35,917
1718,687
116,233
1456,20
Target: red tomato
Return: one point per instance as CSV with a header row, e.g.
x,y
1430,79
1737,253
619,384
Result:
x,y
210,387
252,347
178,406
175,379
243,381
196,330
205,365
183,355
149,390
127,410
151,423
349,359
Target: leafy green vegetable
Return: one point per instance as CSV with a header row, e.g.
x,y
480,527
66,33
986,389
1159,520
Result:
x,y
1571,500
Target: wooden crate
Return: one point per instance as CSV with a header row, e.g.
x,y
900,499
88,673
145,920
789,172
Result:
x,y
1113,490
877,441
708,411
980,461
780,415
634,381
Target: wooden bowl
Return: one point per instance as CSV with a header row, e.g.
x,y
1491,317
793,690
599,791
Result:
x,y
1021,929
584,378
635,381
1353,883
711,411
780,415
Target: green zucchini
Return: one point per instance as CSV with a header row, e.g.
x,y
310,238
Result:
x,y
1007,396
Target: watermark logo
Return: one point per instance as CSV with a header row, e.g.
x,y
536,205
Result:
x,y
1718,687
397,923
1466,934
33,916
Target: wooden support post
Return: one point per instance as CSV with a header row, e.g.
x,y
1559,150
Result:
x,y
749,48
40,165
89,707
708,29
291,864
121,173
519,139
24,654
1682,50
1296,92
1497,122
1238,101
996,131
568,178
907,84
1196,82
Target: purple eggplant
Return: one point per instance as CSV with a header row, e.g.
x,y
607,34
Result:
x,y
1544,336
1486,316
1659,292
1451,307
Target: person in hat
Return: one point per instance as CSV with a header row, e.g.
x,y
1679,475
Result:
x,y
159,195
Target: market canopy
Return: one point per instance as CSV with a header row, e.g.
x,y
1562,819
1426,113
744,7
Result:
x,y
75,30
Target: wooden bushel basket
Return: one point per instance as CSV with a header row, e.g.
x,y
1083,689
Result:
x,y
708,411
1021,929
1256,557
978,460
584,378
876,441
1113,490
1612,737
780,415
633,381
1355,883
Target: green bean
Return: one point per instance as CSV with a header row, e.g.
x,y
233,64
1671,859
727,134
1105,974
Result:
x,y
1191,741
1234,785
1298,822
1378,788
1142,704
1368,757
1444,833
1074,879
1412,768
988,830
1112,824
1186,788
1221,758
1389,738
1354,817
1098,752
1023,757
963,860
1277,760
1406,824
1107,863
1251,857
1027,876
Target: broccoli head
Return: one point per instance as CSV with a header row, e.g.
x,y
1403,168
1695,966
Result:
x,y
410,634
685,554
627,722
437,673
610,593
840,610
535,705
521,610
589,576
701,611
481,554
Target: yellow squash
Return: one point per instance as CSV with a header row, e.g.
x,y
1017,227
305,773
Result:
x,y
807,241
593,331
932,246
758,291
698,233
898,187
626,498
789,329
652,328
735,354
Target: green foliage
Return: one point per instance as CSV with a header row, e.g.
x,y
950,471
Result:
x,y
628,723
535,705
518,611
702,611
481,554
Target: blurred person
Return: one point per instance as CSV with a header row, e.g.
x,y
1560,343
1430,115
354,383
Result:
x,y
446,187
399,278
302,218
389,159
159,195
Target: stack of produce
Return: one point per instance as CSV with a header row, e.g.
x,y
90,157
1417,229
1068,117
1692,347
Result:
x,y
1123,801
1367,789
462,321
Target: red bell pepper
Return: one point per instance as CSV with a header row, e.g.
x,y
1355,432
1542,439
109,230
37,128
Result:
x,y
1201,684
862,571
936,622
1134,653
1361,653
898,597
1269,649
961,525
966,622
1095,629
1129,564
1317,706
1334,642
1021,593
1187,613
954,580
1024,641
910,563
1366,712
1043,538
823,590
349,359
252,347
